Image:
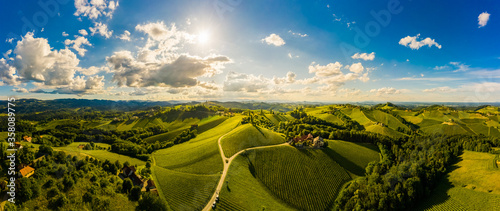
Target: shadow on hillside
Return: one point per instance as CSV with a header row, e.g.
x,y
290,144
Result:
x,y
439,195
344,162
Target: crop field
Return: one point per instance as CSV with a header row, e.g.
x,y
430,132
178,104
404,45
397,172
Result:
x,y
199,155
99,154
247,136
353,157
203,125
243,191
185,191
444,129
305,179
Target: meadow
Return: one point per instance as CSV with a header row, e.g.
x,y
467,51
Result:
x,y
99,154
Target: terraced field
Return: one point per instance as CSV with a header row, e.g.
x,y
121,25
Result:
x,y
247,136
305,179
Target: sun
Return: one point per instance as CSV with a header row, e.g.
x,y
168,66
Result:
x,y
203,37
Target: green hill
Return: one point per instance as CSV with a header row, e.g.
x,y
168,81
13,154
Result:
x,y
354,157
99,154
247,136
305,179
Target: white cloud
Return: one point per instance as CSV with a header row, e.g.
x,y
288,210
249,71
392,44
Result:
x,y
102,29
64,34
274,39
181,72
483,18
241,82
83,32
125,36
414,44
20,90
356,68
328,70
444,89
297,34
292,56
36,62
77,44
386,91
288,79
460,67
95,8
364,56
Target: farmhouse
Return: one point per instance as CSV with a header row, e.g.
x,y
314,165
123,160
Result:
x,y
27,171
130,172
81,146
27,138
18,145
307,140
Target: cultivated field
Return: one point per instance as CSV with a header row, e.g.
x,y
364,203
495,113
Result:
x,y
247,136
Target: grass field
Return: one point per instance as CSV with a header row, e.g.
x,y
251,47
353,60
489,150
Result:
x,y
354,157
384,131
306,179
245,192
246,136
99,154
185,191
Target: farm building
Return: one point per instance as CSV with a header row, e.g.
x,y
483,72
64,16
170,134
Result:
x,y
27,171
307,140
130,172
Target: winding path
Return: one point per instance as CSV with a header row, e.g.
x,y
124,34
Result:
x,y
227,162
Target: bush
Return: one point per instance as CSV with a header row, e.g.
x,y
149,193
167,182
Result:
x,y
135,193
127,185
150,201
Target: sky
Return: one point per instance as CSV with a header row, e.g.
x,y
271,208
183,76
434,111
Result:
x,y
279,50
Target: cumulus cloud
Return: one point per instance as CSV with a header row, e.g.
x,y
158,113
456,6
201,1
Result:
x,y
356,68
457,66
181,72
288,79
83,32
77,44
95,8
101,29
483,18
20,90
364,56
64,34
245,82
274,39
327,70
412,42
385,91
125,36
444,89
36,62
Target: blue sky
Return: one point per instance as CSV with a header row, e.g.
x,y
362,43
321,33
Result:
x,y
328,51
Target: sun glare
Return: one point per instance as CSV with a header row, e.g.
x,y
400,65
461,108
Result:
x,y
203,37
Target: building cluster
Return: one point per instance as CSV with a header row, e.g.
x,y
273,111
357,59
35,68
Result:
x,y
145,185
307,141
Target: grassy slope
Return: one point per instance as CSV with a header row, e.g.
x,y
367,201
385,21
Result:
x,y
475,170
199,155
246,136
179,126
99,154
354,157
305,179
246,192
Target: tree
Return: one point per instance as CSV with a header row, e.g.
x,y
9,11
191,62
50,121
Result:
x,y
127,185
68,182
26,155
25,191
148,164
135,193
150,201
10,207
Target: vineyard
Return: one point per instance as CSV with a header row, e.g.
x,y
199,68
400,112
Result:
x,y
185,191
245,192
354,157
305,179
